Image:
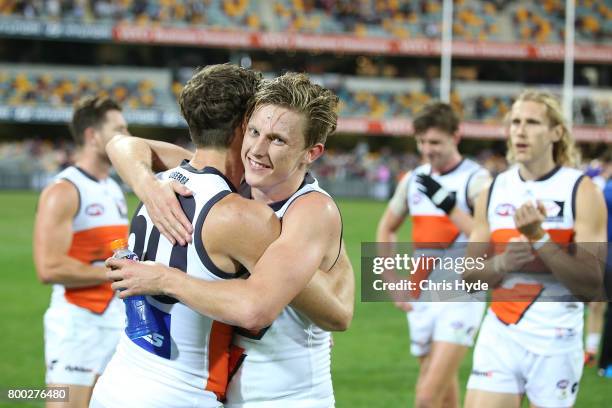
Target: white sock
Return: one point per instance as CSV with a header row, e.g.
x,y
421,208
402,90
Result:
x,y
592,342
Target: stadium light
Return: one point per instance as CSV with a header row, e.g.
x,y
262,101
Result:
x,y
568,69
446,53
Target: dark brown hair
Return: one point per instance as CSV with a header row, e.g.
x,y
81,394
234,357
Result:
x,y
214,102
436,115
90,112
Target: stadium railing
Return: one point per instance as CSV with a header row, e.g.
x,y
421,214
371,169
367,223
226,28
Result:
x,y
45,94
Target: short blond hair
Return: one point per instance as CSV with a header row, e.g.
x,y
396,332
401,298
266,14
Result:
x,y
296,92
565,152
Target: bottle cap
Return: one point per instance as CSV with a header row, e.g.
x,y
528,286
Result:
x,y
118,244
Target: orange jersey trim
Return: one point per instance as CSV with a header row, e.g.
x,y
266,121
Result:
x,y
93,298
88,246
219,366
559,236
511,311
433,229
94,244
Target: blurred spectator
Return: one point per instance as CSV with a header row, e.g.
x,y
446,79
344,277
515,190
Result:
x,y
473,20
20,89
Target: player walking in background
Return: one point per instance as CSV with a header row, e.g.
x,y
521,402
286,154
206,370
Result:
x,y
539,206
439,197
78,216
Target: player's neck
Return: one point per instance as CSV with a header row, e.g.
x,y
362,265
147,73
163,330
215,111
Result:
x,y
279,192
537,168
221,159
453,162
93,164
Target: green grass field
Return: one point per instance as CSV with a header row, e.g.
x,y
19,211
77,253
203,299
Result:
x,y
371,364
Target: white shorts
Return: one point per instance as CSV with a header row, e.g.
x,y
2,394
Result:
x,y
126,383
285,404
76,348
503,365
452,322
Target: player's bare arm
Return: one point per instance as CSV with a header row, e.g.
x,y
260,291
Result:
x,y
329,298
581,272
135,160
393,218
57,207
388,226
282,272
395,213
236,232
311,226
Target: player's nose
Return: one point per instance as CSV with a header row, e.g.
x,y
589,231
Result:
x,y
260,146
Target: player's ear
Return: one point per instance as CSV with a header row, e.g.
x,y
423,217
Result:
x,y
557,133
89,136
456,138
313,153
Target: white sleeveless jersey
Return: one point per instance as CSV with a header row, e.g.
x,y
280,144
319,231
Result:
x,y
287,364
543,327
101,218
191,351
431,225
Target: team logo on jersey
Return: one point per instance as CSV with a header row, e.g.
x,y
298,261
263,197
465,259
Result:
x,y
564,333
94,210
562,384
554,210
505,210
457,325
482,373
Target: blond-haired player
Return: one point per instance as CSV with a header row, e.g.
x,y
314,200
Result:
x,y
534,210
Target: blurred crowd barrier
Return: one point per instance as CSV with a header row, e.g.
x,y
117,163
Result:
x,y
150,95
359,172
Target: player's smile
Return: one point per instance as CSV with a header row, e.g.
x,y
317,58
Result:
x,y
256,165
272,149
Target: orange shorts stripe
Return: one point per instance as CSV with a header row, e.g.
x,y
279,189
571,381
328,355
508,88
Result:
x,y
508,304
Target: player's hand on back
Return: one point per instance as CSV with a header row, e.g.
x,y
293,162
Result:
x,y
165,210
139,278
